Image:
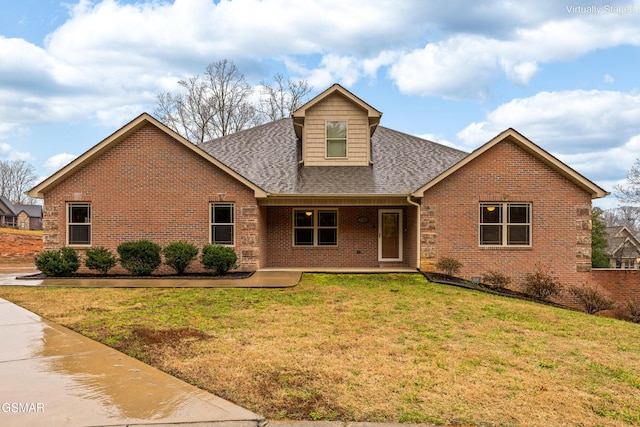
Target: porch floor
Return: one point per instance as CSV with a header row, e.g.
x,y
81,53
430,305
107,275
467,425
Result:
x,y
344,269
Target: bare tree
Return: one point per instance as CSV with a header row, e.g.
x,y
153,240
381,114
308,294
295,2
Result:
x,y
189,113
627,216
212,105
630,193
16,177
281,98
232,109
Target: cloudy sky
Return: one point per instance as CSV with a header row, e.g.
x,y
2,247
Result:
x,y
565,73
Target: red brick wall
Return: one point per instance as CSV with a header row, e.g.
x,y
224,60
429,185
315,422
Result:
x,y
560,216
357,242
149,186
620,284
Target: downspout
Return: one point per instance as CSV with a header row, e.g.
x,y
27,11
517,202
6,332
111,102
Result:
x,y
417,205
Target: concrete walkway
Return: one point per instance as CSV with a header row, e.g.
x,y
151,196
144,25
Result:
x,y
259,279
53,376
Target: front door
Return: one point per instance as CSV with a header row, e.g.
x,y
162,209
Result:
x,y
390,235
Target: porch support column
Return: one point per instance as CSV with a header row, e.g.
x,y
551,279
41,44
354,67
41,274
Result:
x,y
418,235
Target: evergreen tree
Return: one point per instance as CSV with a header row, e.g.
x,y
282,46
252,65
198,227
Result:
x,y
599,244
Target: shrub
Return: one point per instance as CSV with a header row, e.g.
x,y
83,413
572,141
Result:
x,y
139,258
591,298
541,284
497,279
100,259
63,262
631,310
178,255
449,265
218,258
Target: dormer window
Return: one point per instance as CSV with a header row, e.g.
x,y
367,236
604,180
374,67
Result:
x,y
336,139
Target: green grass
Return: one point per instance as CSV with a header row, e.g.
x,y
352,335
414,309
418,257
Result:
x,y
379,348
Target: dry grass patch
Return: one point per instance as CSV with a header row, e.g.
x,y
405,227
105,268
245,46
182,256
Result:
x,y
370,348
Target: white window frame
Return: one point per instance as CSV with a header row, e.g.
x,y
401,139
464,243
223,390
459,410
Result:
x,y
327,139
212,224
505,223
315,227
88,222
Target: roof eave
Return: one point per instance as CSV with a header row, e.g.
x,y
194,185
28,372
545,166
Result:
x,y
513,135
39,190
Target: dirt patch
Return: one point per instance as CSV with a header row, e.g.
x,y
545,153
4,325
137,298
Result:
x,y
17,248
170,337
151,345
299,394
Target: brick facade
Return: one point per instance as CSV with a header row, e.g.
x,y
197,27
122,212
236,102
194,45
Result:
x,y
560,217
144,182
148,186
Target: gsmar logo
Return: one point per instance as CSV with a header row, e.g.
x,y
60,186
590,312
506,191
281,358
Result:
x,y
19,407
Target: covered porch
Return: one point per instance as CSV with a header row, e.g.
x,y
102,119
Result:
x,y
341,234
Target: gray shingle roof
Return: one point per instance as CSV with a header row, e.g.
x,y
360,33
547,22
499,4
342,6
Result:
x,y
616,238
33,211
8,205
269,156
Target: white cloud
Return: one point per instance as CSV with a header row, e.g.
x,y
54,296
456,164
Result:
x,y
609,79
595,132
465,66
56,162
113,58
7,152
440,140
568,122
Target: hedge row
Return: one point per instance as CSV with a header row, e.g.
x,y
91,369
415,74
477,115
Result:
x,y
140,258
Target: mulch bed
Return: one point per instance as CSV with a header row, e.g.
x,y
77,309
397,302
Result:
x,y
505,292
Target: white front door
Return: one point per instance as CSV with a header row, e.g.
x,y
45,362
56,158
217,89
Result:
x,y
390,235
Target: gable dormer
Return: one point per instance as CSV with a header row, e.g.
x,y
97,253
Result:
x,y
335,129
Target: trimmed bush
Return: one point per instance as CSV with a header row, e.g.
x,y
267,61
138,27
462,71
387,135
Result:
x,y
541,284
591,299
178,255
139,258
449,265
219,258
60,263
100,259
496,279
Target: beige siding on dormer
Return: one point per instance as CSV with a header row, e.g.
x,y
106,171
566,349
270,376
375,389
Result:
x,y
336,107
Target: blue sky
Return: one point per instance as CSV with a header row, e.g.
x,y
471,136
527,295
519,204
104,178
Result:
x,y
564,73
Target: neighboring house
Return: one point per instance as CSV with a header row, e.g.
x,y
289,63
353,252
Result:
x,y
26,217
328,187
623,249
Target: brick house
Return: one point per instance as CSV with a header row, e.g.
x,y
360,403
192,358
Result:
x,y
623,249
19,216
328,187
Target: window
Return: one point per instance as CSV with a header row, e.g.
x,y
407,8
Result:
x,y
505,224
315,227
336,138
222,224
79,224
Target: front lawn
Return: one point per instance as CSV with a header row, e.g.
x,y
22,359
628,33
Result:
x,y
381,348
